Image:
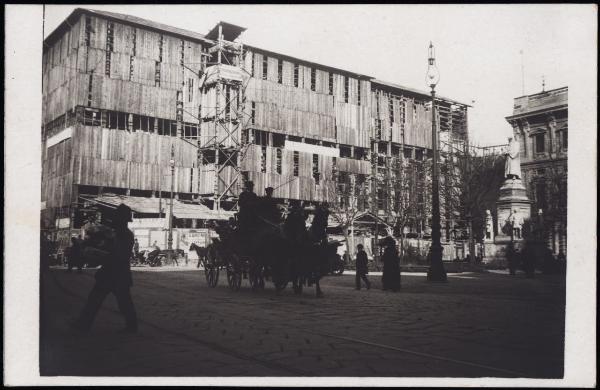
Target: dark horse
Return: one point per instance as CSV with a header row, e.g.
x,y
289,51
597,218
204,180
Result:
x,y
201,252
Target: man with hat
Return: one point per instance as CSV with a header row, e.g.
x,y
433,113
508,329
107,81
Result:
x,y
247,204
114,276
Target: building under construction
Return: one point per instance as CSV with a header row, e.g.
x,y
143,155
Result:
x,y
127,101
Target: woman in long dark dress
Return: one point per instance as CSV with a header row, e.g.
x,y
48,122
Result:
x,y
391,266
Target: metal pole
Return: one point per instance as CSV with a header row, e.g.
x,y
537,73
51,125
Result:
x,y
170,237
436,271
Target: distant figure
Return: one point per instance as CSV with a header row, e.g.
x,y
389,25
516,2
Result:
x,y
318,228
512,258
136,248
512,166
247,203
114,276
362,267
74,255
391,266
515,221
468,258
528,259
155,246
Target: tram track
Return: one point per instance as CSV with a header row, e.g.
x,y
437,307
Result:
x,y
278,366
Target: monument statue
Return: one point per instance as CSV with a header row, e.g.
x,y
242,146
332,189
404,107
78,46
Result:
x,y
515,221
512,166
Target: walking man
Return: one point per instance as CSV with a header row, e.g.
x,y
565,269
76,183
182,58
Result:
x,y
362,268
114,276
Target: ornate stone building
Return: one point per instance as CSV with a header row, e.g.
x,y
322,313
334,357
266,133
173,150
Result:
x,y
541,121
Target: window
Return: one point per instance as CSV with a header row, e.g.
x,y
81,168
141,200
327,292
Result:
x,y
296,162
296,72
265,68
331,83
160,48
313,79
107,63
253,114
280,71
564,139
88,30
540,141
278,162
90,92
316,174
263,159
191,91
345,151
360,153
378,128
346,83
261,137
358,92
278,140
134,42
182,53
391,110
419,154
109,36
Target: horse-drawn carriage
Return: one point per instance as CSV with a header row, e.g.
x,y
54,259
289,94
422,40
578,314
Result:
x,y
268,253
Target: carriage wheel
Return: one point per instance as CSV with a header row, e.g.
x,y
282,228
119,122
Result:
x,y
211,269
212,275
234,278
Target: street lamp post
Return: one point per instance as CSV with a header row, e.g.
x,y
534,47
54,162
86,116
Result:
x,y
436,271
170,237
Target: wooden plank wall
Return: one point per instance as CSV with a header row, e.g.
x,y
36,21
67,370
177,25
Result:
x,y
57,175
68,64
284,108
113,158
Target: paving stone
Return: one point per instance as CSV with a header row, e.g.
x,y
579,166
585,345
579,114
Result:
x,y
189,329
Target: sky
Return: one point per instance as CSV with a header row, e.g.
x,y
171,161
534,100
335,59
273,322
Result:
x,y
477,46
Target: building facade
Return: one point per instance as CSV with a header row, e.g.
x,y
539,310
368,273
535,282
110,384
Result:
x,y
541,121
125,98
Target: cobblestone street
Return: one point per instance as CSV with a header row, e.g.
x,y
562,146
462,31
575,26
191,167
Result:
x,y
477,325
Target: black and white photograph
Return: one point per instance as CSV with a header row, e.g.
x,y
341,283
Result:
x,y
316,195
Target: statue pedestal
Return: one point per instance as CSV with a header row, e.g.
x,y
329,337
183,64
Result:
x,y
512,197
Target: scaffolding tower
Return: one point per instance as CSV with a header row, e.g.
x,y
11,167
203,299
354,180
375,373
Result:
x,y
224,137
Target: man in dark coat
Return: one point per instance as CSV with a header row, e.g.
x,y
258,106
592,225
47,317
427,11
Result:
x,y
247,203
295,224
391,266
362,267
318,228
114,276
